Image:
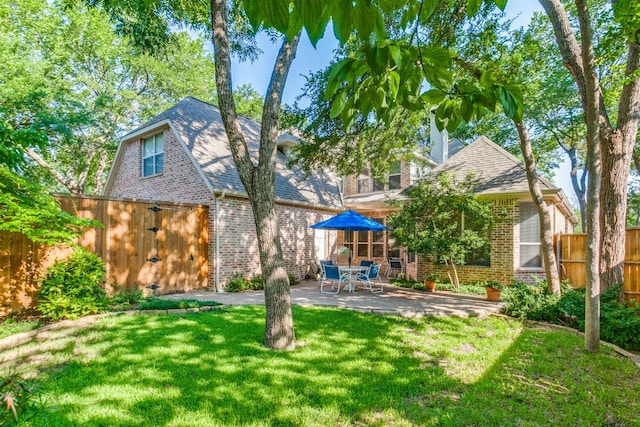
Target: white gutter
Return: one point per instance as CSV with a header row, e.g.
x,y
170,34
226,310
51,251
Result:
x,y
217,219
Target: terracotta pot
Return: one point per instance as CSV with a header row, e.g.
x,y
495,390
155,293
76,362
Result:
x,y
430,285
492,294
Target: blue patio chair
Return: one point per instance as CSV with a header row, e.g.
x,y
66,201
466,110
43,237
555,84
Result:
x,y
331,273
368,278
326,262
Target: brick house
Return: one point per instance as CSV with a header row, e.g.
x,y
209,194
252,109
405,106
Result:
x,y
182,155
514,251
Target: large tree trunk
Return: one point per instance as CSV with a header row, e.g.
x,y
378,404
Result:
x,y
259,180
616,162
617,147
592,102
546,230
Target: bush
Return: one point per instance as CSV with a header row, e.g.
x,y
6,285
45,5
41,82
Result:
x,y
619,324
71,288
532,302
238,283
124,298
293,279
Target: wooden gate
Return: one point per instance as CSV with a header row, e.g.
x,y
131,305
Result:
x,y
155,246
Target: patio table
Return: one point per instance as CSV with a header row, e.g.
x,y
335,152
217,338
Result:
x,y
350,271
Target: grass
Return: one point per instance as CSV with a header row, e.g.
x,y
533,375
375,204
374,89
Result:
x,y
166,304
10,326
350,369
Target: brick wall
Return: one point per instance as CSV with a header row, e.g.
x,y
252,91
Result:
x,y
502,250
181,182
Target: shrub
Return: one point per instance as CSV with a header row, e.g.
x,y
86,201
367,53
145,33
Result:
x,y
532,302
71,288
238,283
619,324
124,298
293,279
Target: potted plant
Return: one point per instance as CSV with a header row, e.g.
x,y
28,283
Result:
x,y
430,282
493,290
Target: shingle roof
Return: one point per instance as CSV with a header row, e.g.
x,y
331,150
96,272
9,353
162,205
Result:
x,y
200,127
497,170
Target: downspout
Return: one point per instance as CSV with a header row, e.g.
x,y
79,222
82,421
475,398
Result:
x,y
217,218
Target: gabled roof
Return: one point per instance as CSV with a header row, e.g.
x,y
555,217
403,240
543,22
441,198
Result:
x,y
497,170
199,127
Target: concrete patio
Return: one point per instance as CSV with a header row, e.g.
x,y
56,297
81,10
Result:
x,y
394,300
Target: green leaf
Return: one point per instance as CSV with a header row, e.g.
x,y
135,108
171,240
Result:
x,y
338,104
365,17
473,6
276,14
314,15
295,25
396,54
487,79
466,109
512,102
342,16
501,4
433,96
437,56
394,83
428,7
253,10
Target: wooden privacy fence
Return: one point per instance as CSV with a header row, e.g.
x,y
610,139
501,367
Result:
x,y
142,244
572,257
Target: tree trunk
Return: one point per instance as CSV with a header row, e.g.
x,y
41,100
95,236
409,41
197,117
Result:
x,y
617,147
546,231
259,181
579,185
616,162
592,102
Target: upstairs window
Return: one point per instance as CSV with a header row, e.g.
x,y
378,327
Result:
x,y
363,181
153,155
393,179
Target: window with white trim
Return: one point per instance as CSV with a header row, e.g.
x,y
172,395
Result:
x,y
153,155
530,256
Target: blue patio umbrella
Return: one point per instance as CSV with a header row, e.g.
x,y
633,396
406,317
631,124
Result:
x,y
349,221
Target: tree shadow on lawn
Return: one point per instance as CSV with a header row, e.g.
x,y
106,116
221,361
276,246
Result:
x,y
350,368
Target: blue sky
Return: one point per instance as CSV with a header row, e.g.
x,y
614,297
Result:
x,y
308,60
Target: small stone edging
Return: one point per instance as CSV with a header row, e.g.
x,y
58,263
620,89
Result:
x,y
621,351
43,331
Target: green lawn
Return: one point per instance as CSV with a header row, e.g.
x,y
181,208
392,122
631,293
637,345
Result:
x,y
350,368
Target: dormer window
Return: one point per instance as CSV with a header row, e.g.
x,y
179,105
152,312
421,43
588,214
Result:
x,y
153,155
